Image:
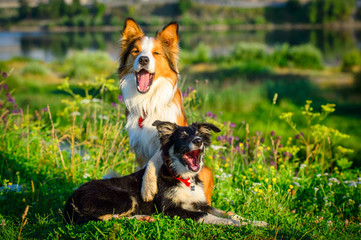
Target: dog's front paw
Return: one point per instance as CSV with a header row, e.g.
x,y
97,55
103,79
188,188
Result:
x,y
242,221
233,222
148,192
259,224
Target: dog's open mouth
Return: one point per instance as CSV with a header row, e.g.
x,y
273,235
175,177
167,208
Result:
x,y
144,80
192,159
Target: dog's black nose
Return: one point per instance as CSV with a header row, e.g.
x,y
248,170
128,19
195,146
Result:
x,y
143,60
197,141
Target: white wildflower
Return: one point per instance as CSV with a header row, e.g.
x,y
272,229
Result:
x,y
296,184
326,174
257,184
296,178
330,184
104,117
96,100
334,180
325,198
86,175
352,184
85,101
316,189
344,197
345,182
86,158
303,166
216,176
75,114
318,175
217,147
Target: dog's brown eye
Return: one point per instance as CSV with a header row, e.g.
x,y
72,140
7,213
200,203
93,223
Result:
x,y
135,51
156,53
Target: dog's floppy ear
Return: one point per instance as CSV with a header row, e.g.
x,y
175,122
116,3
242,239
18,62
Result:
x,y
131,30
205,129
169,35
165,130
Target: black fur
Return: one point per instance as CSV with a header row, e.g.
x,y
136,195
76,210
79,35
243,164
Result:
x,y
115,196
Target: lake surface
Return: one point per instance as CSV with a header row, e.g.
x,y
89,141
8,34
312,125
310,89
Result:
x,y
55,46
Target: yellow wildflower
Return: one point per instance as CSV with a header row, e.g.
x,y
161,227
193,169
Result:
x,y
291,186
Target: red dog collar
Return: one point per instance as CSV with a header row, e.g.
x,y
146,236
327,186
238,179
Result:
x,y
185,181
140,122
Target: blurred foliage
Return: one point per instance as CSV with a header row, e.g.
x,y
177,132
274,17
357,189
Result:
x,y
302,56
188,12
83,65
351,60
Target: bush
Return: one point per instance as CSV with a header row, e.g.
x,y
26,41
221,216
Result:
x,y
84,65
280,56
350,60
35,68
202,53
306,56
250,51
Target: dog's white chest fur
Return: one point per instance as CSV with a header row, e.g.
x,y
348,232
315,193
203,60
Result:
x,y
187,196
155,105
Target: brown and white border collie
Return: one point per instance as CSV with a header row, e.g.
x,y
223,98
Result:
x,y
148,75
180,190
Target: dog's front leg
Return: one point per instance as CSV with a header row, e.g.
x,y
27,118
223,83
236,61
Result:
x,y
149,184
200,216
223,214
242,221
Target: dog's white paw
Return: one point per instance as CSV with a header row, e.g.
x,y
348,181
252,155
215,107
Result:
x,y
148,191
242,221
259,224
212,219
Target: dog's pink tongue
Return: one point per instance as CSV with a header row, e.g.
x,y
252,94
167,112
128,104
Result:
x,y
144,80
195,165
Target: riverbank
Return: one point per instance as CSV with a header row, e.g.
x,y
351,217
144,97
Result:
x,y
215,27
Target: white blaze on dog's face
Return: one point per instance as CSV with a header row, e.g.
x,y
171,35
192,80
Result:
x,y
184,147
147,58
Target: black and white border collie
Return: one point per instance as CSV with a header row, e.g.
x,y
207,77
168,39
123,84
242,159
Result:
x,y
180,190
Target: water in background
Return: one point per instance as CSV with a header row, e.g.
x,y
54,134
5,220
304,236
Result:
x,y
55,46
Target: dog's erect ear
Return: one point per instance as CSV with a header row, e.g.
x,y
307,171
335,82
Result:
x,y
169,35
131,30
165,130
205,129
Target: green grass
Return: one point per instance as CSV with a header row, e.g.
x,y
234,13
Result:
x,y
82,137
